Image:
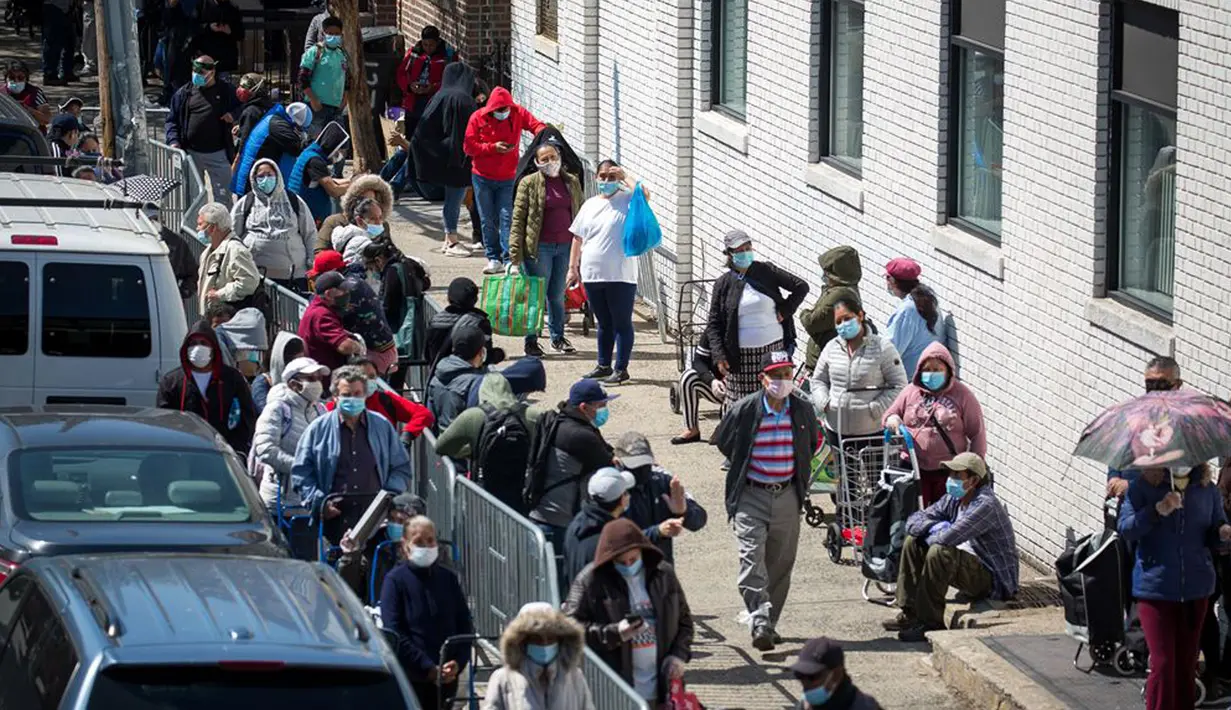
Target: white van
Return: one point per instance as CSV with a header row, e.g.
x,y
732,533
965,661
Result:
x,y
89,307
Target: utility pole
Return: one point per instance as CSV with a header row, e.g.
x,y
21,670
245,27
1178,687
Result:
x,y
119,76
364,145
104,70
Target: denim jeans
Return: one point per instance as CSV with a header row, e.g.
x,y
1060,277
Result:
x,y
394,171
452,207
552,265
612,303
495,200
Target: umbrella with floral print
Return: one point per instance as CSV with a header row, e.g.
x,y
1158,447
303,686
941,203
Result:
x,y
1179,428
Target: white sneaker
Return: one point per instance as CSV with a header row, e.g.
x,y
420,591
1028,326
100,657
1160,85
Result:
x,y
494,267
456,250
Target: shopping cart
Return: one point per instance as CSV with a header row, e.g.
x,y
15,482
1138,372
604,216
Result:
x,y
482,663
691,314
896,497
575,300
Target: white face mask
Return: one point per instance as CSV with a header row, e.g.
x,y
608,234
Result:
x,y
422,556
551,168
780,389
312,390
200,355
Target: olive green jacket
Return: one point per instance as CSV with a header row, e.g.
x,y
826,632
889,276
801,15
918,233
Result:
x,y
528,213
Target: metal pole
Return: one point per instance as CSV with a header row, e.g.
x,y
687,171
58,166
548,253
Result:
x,y
120,45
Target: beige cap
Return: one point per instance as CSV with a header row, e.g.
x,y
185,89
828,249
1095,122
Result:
x,y
967,461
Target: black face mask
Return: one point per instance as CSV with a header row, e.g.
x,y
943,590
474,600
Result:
x,y
642,474
1160,385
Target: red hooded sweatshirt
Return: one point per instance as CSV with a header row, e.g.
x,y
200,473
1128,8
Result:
x,y
484,131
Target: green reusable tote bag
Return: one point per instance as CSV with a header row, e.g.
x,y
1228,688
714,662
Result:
x,y
516,304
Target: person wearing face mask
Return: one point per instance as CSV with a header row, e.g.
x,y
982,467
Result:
x,y
276,225
634,611
292,405
821,670
245,341
362,314
226,271
657,502
943,416
917,322
857,377
325,338
1162,374
202,113
18,86
540,241
410,416
541,651
279,135
422,603
492,136
964,540
462,299
348,451
366,225
323,76
205,386
607,500
749,315
255,102
449,388
363,187
769,437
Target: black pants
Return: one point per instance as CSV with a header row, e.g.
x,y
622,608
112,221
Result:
x,y
1214,647
429,699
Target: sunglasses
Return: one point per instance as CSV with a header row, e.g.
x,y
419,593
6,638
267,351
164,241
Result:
x,y
202,66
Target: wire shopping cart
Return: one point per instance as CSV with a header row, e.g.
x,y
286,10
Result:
x,y
691,313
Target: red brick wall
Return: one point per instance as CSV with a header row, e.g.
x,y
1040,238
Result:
x,y
469,25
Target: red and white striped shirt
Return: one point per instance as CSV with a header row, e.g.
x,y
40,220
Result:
x,y
773,451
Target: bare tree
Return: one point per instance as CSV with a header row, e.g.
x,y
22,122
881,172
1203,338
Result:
x,y
365,145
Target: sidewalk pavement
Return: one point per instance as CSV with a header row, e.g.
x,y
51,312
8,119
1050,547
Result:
x,y
726,672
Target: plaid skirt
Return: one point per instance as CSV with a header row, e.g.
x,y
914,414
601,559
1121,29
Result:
x,y
747,378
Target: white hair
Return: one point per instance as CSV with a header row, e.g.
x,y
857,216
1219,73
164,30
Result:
x,y
419,521
216,214
349,373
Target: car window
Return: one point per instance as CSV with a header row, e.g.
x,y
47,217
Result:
x,y
213,687
16,144
39,660
14,307
95,310
153,485
11,595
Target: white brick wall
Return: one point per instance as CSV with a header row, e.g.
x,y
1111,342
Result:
x,y
1041,369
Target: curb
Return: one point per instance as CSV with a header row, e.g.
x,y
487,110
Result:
x,y
977,673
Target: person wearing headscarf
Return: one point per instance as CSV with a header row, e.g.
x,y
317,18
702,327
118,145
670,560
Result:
x,y
277,230
437,146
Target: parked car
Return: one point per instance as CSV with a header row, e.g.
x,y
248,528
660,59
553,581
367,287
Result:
x,y
79,478
20,137
90,310
190,632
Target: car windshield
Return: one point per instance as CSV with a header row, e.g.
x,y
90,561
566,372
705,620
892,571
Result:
x,y
85,485
210,688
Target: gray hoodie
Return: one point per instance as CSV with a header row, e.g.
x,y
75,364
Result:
x,y
279,236
449,389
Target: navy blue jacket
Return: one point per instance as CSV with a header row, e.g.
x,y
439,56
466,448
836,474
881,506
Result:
x,y
425,606
647,508
1174,561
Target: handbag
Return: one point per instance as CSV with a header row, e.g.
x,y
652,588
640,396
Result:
x,y
641,230
681,699
516,303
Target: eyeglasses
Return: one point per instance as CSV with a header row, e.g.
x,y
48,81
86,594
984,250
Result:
x,y
203,66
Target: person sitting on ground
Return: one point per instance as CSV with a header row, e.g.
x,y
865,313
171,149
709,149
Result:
x,y
541,652
657,503
964,540
607,500
205,386
634,611
276,225
17,85
292,405
423,604
462,296
227,272
369,187
700,380
413,418
821,670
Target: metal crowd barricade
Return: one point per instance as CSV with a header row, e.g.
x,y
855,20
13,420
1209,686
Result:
x,y
609,690
436,481
286,308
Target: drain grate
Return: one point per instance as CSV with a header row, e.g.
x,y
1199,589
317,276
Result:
x,y
1035,594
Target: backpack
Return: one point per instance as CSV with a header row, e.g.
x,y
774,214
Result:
x,y
406,335
540,451
503,455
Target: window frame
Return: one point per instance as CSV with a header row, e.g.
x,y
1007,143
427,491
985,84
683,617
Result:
x,y
958,45
542,28
824,100
49,269
1118,100
27,295
718,11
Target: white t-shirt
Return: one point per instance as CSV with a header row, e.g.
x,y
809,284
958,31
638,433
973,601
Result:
x,y
600,226
758,319
645,643
202,380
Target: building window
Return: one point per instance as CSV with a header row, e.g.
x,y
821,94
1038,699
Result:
x,y
545,16
976,117
842,133
729,57
1143,147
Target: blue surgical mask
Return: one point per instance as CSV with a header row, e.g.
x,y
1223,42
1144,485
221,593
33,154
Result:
x,y
629,570
351,406
817,696
199,79
394,531
333,41
501,115
16,87
601,417
202,236
375,230
955,488
848,329
543,654
608,187
743,259
266,184
934,381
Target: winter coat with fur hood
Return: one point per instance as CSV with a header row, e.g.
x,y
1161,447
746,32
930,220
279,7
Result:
x,y
354,193
522,684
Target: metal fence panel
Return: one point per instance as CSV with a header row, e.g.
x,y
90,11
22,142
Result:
x,y
437,477
608,689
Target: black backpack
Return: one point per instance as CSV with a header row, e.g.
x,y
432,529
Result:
x,y
503,455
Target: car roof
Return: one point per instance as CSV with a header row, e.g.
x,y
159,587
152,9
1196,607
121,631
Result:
x,y
90,228
69,426
12,110
145,600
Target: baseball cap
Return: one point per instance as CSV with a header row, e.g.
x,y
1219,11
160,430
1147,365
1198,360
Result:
x,y
410,504
589,391
904,269
967,461
70,101
326,261
608,484
775,359
736,238
468,340
633,450
818,656
65,122
303,366
331,280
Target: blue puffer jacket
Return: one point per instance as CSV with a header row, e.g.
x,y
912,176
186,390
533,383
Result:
x,y
1174,560
315,197
250,151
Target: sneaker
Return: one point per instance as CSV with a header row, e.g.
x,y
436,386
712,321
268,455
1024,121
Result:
x,y
457,250
899,622
617,377
493,267
917,633
563,346
533,349
763,638
598,372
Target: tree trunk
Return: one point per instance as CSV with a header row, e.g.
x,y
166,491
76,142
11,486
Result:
x,y
365,146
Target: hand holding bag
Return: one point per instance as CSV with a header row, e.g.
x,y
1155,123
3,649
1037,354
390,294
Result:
x,y
641,230
516,303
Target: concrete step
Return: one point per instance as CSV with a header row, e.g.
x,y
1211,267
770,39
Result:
x,y
988,681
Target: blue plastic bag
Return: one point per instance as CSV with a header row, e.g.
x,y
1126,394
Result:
x,y
641,230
